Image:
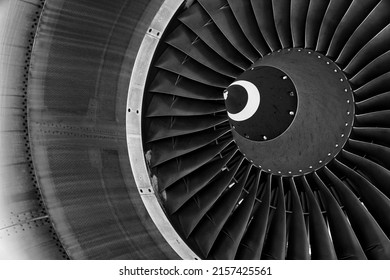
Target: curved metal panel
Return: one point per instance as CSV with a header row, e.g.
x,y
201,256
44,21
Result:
x,y
134,128
80,70
26,231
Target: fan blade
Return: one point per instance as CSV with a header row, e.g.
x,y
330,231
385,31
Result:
x,y
227,243
371,26
299,10
179,63
315,16
275,242
373,49
377,153
375,201
166,127
170,83
375,69
298,245
245,17
196,19
210,226
265,20
252,243
186,164
375,243
222,15
321,244
194,210
375,119
169,148
186,41
354,16
181,191
165,105
332,18
377,103
346,244
377,174
281,9
380,136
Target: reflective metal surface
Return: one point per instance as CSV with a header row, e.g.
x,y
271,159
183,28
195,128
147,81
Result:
x,y
63,132
95,166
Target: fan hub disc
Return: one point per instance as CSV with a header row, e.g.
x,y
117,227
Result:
x,y
293,113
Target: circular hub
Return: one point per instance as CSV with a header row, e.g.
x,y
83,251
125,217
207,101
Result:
x,y
292,112
262,103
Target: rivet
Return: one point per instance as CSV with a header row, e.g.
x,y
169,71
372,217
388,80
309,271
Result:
x,y
342,135
328,62
289,50
311,167
319,56
234,127
335,70
300,170
329,154
341,80
279,172
346,90
252,68
269,170
299,50
289,172
320,161
348,113
337,145
309,52
251,161
346,124
348,101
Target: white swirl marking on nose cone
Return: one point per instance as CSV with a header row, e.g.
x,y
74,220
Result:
x,y
252,104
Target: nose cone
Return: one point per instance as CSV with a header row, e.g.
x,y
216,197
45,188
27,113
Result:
x,y
261,103
236,98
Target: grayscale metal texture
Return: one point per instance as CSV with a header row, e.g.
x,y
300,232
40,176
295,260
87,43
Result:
x,y
116,141
69,147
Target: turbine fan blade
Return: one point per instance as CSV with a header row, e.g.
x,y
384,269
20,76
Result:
x,y
298,244
252,243
275,242
315,16
373,240
222,15
321,244
245,17
375,201
265,20
346,244
211,225
299,10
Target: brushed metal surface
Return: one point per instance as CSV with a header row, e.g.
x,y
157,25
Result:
x,y
80,71
67,189
26,230
141,171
